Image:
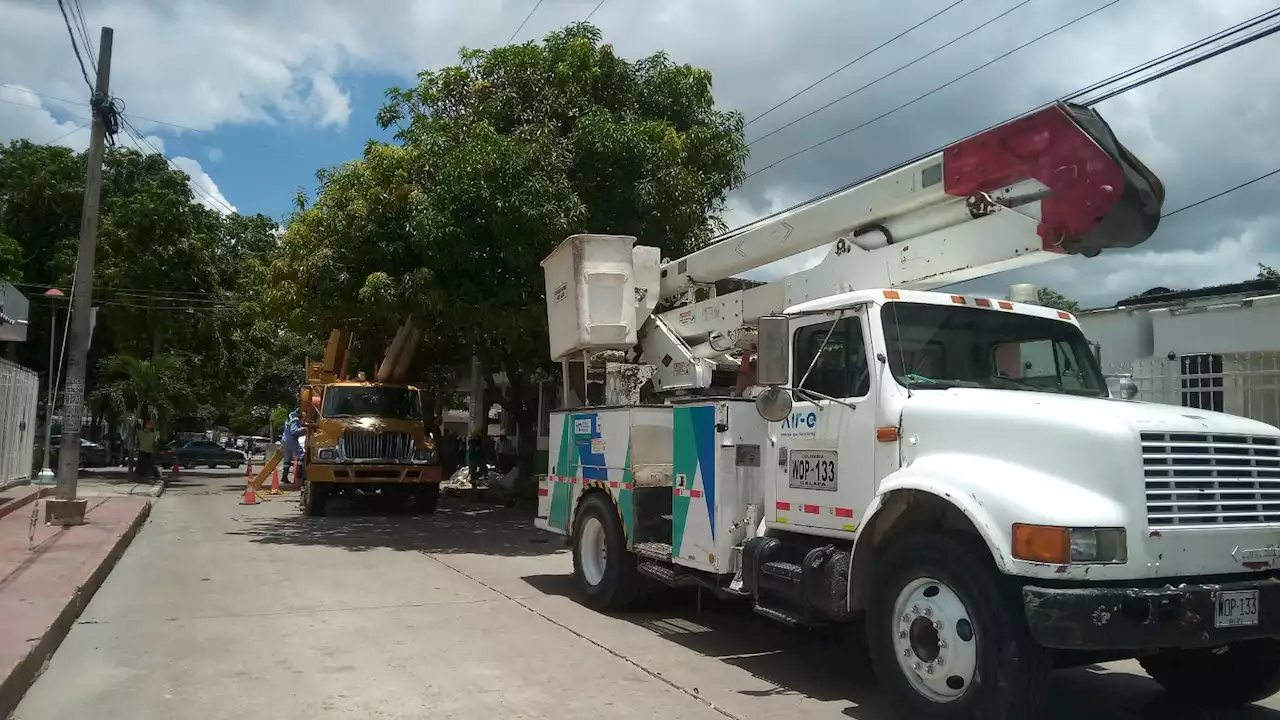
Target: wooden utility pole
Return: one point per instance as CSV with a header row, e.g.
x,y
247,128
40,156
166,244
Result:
x,y
64,508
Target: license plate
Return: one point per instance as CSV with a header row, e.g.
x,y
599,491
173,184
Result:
x,y
1235,608
812,469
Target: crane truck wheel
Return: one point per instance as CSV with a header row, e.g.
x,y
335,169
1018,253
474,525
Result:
x,y
603,567
314,498
1243,673
426,499
947,639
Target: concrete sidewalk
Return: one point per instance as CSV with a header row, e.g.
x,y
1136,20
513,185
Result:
x,y
48,574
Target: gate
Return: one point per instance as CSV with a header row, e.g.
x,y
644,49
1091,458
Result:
x,y
19,393
1245,383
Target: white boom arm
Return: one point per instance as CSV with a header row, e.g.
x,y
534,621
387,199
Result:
x,y
1038,188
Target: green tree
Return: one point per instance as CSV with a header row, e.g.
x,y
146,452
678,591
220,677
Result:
x,y
1266,272
1049,297
514,149
155,390
170,273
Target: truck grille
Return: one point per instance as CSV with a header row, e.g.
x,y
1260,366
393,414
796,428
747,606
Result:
x,y
1196,479
370,445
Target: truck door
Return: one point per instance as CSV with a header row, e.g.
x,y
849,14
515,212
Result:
x,y
826,447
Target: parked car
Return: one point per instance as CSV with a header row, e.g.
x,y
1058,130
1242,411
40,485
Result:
x,y
199,452
92,454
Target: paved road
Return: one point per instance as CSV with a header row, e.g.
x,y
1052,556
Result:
x,y
221,611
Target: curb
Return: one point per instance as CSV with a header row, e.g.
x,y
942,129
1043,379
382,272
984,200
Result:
x,y
40,491
14,687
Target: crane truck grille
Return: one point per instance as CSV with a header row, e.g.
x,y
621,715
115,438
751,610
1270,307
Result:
x,y
1195,479
371,445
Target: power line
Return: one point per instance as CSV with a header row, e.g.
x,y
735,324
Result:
x,y
139,139
74,46
1215,196
588,18
897,70
79,103
65,134
526,19
849,64
77,13
947,84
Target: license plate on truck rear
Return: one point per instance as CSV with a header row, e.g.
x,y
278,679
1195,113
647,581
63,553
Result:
x,y
1235,608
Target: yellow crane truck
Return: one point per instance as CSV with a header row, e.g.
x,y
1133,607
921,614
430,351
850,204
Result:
x,y
368,437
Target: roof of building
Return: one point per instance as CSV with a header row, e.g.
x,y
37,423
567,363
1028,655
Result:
x,y
1165,296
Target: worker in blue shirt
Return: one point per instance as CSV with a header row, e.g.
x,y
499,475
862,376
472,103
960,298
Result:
x,y
291,446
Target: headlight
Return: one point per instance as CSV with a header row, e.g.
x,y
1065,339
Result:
x,y
1062,546
425,454
330,454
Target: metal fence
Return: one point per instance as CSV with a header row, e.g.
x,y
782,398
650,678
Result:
x,y
19,394
1245,384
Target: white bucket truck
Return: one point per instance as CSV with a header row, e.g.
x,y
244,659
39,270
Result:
x,y
948,469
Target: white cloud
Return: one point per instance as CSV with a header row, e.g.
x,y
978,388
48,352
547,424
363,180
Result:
x,y
205,189
215,155
23,115
205,64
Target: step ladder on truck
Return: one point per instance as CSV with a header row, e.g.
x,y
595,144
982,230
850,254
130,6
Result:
x,y
948,469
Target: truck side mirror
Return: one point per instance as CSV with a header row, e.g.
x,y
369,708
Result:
x,y
772,357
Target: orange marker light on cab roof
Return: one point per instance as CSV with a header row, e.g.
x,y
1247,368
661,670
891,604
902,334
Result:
x,y
982,302
1064,315
1005,305
1041,543
892,295
957,299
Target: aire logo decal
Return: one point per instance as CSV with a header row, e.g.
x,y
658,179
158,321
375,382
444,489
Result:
x,y
800,423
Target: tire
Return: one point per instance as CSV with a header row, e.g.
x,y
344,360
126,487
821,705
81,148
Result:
x,y
1245,673
84,461
426,499
605,570
999,672
314,499
188,466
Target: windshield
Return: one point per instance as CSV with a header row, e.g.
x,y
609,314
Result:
x,y
940,346
387,402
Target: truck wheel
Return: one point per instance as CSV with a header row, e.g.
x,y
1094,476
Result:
x,y
425,500
1243,673
314,498
947,639
602,566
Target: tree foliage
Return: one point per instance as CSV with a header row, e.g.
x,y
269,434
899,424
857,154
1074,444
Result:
x,y
498,159
1266,272
1049,297
170,275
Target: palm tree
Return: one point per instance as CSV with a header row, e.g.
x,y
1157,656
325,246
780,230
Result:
x,y
156,390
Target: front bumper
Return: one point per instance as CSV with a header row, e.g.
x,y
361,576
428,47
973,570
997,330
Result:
x,y
367,474
1120,618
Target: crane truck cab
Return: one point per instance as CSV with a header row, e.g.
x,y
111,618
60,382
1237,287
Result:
x,y
367,438
949,469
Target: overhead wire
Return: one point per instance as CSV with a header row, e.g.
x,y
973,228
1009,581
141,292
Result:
x,y
853,62
77,15
1217,195
1082,95
74,45
140,140
939,88
593,10
67,133
80,103
889,74
523,22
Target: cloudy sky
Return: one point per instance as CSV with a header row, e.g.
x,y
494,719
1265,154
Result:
x,y
250,97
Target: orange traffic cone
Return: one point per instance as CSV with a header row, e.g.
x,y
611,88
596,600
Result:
x,y
275,481
248,468
250,497
175,466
